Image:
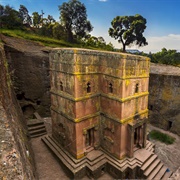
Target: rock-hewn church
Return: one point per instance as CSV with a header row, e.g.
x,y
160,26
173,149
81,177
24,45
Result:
x,y
99,110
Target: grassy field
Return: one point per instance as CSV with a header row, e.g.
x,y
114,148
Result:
x,y
157,135
46,41
41,39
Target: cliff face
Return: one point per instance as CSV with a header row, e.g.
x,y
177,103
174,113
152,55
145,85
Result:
x,y
29,66
16,160
164,97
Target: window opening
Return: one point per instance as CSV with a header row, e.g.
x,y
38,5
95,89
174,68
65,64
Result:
x,y
150,107
110,88
88,87
137,88
169,125
61,128
61,86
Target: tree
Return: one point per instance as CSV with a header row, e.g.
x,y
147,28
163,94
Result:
x,y
171,57
74,19
24,15
9,18
58,31
36,19
128,30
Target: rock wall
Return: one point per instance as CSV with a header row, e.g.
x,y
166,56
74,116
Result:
x,y
164,97
29,66
16,157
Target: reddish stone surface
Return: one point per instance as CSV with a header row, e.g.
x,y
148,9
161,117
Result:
x,y
99,99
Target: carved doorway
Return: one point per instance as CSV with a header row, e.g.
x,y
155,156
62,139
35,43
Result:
x,y
90,139
138,137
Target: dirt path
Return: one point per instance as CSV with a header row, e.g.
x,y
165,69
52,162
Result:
x,y
48,168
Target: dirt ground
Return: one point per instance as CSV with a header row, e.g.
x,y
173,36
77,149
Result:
x,y
48,167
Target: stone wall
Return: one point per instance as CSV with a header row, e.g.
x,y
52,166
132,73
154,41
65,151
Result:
x,y
16,155
29,68
164,97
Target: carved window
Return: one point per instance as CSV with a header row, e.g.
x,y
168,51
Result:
x,y
110,88
61,128
61,86
137,88
88,87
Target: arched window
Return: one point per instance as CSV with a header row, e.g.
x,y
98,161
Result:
x,y
61,86
88,87
137,88
110,88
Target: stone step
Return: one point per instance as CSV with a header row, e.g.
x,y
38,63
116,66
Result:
x,y
135,149
160,174
155,171
37,135
152,150
78,164
59,153
37,131
148,162
151,167
167,175
53,147
150,147
142,155
70,162
123,164
37,116
57,146
89,158
34,122
117,161
41,126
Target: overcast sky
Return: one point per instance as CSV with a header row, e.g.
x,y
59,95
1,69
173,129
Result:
x,y
163,18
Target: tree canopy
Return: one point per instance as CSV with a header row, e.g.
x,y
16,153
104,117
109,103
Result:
x,y
36,17
128,30
9,18
74,19
170,57
24,15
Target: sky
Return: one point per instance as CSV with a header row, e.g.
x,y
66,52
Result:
x,y
163,18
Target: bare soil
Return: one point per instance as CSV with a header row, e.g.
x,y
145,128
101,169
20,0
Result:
x,y
48,167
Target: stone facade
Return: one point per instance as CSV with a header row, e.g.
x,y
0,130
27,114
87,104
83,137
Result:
x,y
99,100
164,97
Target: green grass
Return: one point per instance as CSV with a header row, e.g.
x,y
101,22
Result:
x,y
157,135
37,38
44,40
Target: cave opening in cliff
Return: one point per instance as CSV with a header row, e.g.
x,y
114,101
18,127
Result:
x,y
169,125
38,102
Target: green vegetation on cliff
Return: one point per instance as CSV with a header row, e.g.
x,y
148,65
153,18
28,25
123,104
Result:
x,y
170,57
157,135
